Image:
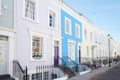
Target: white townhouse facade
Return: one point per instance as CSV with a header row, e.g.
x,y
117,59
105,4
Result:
x,y
88,45
94,41
101,41
114,48
30,32
38,32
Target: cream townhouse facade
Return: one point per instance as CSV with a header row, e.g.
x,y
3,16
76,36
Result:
x,y
101,41
114,49
88,44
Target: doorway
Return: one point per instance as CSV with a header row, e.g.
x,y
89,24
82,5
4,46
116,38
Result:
x,y
56,53
3,54
79,53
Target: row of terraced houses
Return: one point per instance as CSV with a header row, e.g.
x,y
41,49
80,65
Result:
x,y
46,40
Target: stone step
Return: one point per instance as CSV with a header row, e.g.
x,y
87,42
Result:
x,y
68,71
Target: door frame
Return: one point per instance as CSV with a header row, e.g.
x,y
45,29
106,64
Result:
x,y
11,48
5,54
60,55
79,45
56,55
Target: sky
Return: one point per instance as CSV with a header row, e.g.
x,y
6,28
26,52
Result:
x,y
105,14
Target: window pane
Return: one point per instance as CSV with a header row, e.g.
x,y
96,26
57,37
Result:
x,y
85,33
77,31
71,50
91,36
37,47
67,26
51,19
30,9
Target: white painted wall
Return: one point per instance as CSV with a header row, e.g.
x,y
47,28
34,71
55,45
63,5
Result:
x,y
86,42
102,43
100,48
115,47
25,28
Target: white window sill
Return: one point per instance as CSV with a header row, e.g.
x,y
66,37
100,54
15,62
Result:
x,y
6,29
54,28
28,19
68,33
38,60
77,36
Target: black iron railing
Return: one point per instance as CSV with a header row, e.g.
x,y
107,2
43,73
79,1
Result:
x,y
75,64
86,61
42,72
19,72
85,64
46,72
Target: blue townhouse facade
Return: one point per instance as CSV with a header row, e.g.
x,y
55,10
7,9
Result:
x,y
71,32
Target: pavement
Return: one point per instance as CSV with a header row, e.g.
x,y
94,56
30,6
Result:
x,y
97,73
112,74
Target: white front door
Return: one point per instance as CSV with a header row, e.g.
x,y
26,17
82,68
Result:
x,y
3,55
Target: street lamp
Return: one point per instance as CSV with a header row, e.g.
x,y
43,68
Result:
x,y
109,48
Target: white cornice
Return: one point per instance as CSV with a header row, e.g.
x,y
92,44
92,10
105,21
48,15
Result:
x,y
7,29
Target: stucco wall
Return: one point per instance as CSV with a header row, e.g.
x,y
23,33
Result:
x,y
25,28
66,37
7,17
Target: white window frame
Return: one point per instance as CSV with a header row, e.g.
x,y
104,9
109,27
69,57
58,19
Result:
x,y
85,34
95,39
40,36
77,30
41,52
70,28
0,7
53,20
91,36
71,54
59,40
36,11
87,50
